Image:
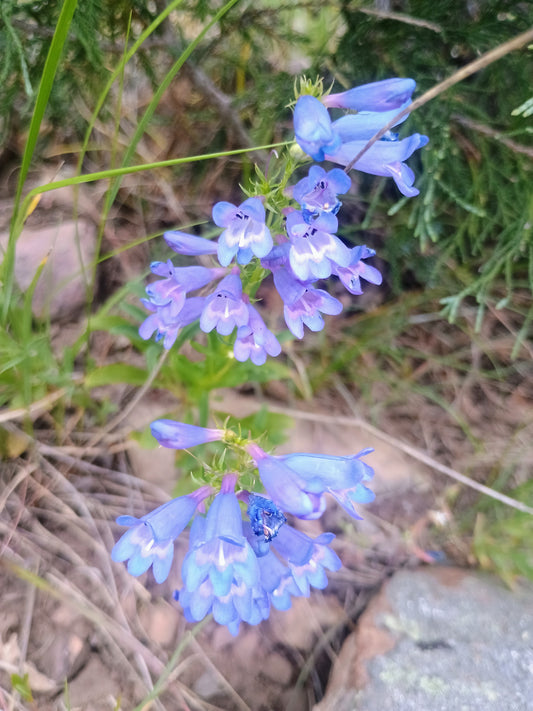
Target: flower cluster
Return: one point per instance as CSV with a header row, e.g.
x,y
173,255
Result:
x,y
340,141
309,250
239,569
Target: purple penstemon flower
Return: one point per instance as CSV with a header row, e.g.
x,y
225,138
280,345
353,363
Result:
x,y
317,193
149,542
166,323
220,570
297,482
313,130
302,303
179,435
189,245
245,233
307,558
351,275
177,282
225,309
255,341
314,246
287,489
275,579
361,127
307,310
342,477
385,157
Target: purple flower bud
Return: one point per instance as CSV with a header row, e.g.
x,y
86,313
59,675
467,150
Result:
x,y
178,435
191,246
285,488
385,95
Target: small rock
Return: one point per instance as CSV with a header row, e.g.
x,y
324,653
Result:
x,y
68,248
160,621
92,687
308,617
278,668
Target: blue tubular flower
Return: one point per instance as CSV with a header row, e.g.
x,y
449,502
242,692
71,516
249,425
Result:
x,y
386,95
384,158
307,557
285,487
303,303
245,233
277,581
297,482
178,435
150,539
318,192
224,309
189,245
314,247
306,310
361,127
312,128
177,282
342,477
255,341
220,570
166,323
351,275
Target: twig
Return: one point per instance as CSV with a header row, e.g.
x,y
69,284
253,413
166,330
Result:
x,y
223,103
400,17
488,58
36,408
25,627
9,488
239,703
491,133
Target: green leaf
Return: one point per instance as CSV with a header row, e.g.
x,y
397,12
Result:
x,y
22,685
116,373
145,438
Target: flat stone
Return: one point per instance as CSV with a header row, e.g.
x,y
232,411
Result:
x,y
68,248
438,639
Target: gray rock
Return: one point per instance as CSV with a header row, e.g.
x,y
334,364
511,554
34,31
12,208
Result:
x,y
68,248
435,640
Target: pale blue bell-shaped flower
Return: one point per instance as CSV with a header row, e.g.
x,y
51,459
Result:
x,y
149,542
